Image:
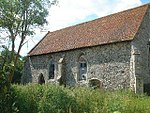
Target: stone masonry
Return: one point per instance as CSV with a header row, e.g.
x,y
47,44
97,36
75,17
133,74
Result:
x,y
121,63
108,63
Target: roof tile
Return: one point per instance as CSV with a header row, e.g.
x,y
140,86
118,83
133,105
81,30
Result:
x,y
117,27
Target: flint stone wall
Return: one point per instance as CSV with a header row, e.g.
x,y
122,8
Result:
x,y
140,52
118,65
108,63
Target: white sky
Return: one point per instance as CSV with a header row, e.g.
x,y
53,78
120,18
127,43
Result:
x,y
71,12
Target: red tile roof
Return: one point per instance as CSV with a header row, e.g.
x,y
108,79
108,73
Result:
x,y
117,27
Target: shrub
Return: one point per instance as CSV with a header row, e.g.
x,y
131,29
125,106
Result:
x,y
55,99
42,98
88,100
7,104
35,98
26,98
6,92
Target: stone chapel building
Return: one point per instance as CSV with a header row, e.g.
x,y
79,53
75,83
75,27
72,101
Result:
x,y
111,52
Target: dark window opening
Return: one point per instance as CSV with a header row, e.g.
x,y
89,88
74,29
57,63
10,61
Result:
x,y
147,89
83,65
41,79
51,71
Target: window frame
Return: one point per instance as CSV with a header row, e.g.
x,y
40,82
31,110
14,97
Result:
x,y
51,63
82,65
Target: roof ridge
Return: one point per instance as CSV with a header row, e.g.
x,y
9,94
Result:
x,y
102,17
112,28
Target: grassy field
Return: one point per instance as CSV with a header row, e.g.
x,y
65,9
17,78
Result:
x,y
56,99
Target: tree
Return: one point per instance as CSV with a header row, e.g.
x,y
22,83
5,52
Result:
x,y
19,18
5,64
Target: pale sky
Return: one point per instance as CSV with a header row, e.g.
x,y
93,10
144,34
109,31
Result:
x,y
72,12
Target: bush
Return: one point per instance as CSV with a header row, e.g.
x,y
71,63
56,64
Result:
x,y
6,93
42,99
34,98
7,102
26,98
88,100
55,100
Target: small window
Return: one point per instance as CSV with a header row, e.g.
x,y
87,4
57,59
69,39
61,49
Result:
x,y
82,68
51,70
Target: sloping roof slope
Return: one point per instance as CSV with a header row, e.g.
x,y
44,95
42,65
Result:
x,y
117,27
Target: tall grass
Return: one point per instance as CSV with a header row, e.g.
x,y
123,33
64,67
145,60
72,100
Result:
x,y
57,99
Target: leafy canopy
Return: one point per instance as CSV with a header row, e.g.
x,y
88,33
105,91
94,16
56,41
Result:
x,y
19,18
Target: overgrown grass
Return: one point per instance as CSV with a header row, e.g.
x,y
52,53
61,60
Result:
x,y
56,99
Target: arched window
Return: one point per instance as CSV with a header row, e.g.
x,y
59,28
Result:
x,y
51,69
41,79
82,68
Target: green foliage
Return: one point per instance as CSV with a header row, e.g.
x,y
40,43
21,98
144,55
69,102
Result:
x,y
42,99
6,96
4,84
6,65
18,14
34,98
7,102
18,19
88,100
18,70
55,99
26,99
